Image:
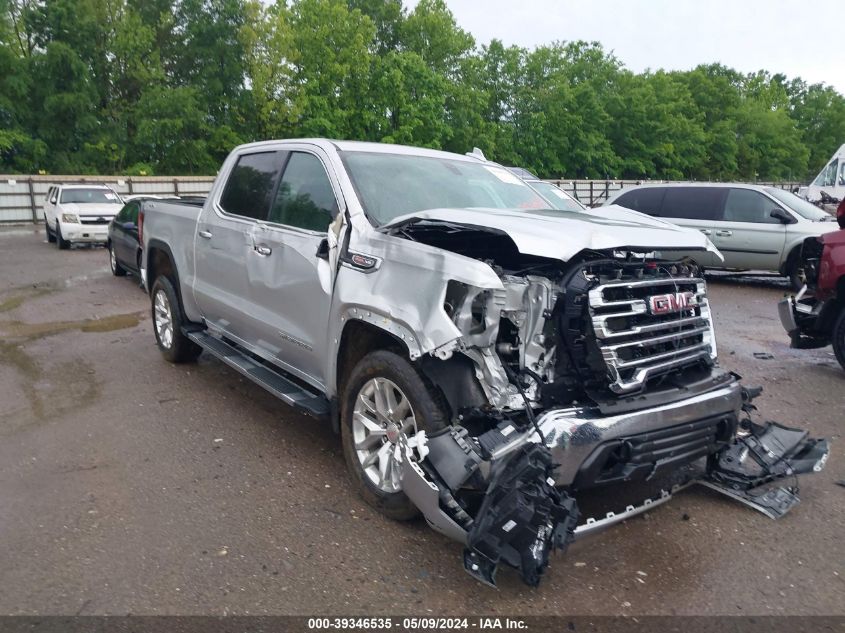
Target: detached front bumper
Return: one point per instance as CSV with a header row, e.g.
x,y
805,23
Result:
x,y
802,318
593,449
85,233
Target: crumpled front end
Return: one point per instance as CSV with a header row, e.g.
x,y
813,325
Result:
x,y
568,376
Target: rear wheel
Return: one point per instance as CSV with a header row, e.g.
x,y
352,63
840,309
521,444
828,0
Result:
x,y
385,399
168,322
116,269
838,338
62,242
51,237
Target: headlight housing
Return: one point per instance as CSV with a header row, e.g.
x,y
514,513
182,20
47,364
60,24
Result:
x,y
70,218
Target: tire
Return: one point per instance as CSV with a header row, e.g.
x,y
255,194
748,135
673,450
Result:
x,y
51,237
167,324
62,242
426,410
116,269
837,337
795,271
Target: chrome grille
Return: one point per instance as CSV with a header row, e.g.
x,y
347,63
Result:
x,y
92,219
636,342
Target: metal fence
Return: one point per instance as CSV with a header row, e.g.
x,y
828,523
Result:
x,y
22,197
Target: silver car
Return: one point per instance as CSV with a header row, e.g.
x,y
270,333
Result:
x,y
753,226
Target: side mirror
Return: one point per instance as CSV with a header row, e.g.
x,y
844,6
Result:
x,y
782,215
129,226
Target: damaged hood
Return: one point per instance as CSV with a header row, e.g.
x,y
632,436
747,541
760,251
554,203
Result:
x,y
563,234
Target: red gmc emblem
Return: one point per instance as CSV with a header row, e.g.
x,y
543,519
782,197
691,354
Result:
x,y
668,303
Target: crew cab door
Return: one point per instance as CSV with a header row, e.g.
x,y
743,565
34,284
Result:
x,y
290,278
747,235
223,246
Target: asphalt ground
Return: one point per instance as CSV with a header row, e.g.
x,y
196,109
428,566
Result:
x,y
129,485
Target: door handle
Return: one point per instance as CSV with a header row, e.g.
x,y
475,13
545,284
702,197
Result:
x,y
262,249
706,231
724,233
204,234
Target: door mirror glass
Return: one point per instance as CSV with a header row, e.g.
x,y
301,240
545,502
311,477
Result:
x,y
323,249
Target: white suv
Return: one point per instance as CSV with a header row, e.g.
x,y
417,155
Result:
x,y
754,227
79,213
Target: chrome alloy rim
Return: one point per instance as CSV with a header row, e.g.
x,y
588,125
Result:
x,y
163,319
382,415
112,259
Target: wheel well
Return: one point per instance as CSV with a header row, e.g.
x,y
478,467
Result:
x,y
453,381
840,289
358,340
794,254
158,263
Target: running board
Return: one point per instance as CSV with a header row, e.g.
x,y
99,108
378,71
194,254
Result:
x,y
283,388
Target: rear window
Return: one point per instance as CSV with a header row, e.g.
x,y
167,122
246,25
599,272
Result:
x,y
249,190
693,203
646,200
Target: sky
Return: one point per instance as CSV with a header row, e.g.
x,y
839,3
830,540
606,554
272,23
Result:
x,y
805,39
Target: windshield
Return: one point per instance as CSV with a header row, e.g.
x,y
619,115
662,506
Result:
x,y
391,185
799,205
92,196
556,196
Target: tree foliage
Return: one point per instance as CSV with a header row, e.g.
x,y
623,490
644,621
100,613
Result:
x,y
170,86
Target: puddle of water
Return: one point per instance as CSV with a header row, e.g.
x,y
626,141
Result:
x,y
18,329
79,386
16,301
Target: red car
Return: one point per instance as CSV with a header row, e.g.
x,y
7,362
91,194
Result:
x,y
815,317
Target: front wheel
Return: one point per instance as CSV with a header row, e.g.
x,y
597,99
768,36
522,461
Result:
x,y
385,399
795,272
167,324
838,338
51,237
63,243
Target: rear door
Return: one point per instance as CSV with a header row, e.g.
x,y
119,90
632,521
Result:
x,y
746,234
695,208
120,233
224,243
289,284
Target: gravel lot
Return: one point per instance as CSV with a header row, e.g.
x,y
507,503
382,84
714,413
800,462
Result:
x,y
128,485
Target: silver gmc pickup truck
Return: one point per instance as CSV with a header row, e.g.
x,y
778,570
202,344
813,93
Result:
x,y
483,357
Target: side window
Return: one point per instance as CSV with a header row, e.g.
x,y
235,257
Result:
x,y
745,205
305,198
646,200
251,184
123,214
841,180
830,174
133,212
692,203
